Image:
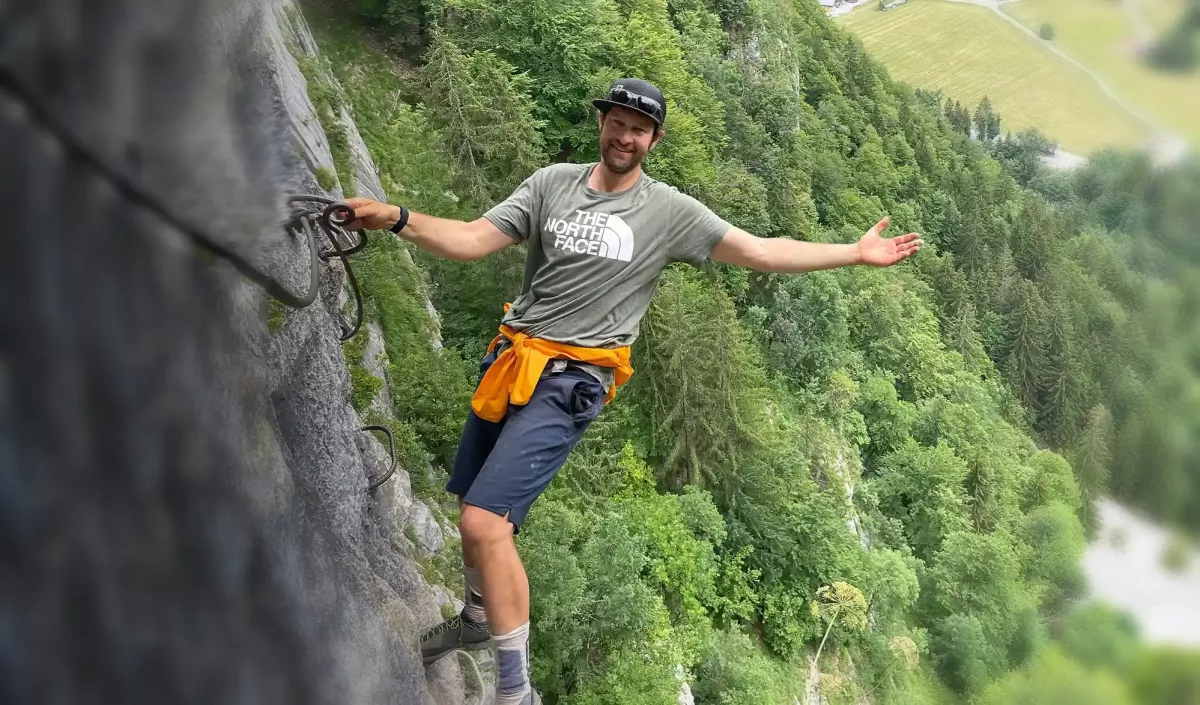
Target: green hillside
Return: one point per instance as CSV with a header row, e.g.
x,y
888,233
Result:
x,y
968,52
962,409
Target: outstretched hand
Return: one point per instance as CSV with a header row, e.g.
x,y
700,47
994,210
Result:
x,y
879,251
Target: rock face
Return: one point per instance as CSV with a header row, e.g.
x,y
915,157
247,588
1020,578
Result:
x,y
685,690
375,361
183,480
327,456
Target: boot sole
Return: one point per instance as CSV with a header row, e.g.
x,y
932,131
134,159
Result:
x,y
478,646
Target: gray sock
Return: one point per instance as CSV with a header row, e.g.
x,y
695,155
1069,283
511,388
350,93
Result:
x,y
512,666
473,596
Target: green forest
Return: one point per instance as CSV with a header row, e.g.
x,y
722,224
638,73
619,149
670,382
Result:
x,y
878,480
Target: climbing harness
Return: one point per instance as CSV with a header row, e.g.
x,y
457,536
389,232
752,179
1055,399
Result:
x,y
329,216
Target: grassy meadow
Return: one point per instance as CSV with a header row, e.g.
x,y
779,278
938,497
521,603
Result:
x,y
1104,36
968,51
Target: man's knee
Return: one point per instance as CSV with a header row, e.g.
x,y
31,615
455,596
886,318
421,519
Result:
x,y
479,527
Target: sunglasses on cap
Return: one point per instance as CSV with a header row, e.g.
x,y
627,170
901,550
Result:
x,y
637,102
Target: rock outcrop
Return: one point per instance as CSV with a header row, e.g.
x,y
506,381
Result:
x,y
381,538
183,478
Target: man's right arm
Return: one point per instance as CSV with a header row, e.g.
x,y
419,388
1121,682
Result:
x,y
451,239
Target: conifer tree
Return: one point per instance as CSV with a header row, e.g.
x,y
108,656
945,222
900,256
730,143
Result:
x,y
958,117
703,383
963,336
1090,462
484,115
1060,408
964,120
987,124
985,490
1026,340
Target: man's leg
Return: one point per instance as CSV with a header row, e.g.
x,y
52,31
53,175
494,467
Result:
x,y
469,629
478,439
473,606
534,444
506,598
494,556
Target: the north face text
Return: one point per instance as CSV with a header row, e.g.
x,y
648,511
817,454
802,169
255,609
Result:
x,y
591,233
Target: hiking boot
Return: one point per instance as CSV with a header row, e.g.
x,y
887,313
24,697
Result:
x,y
455,633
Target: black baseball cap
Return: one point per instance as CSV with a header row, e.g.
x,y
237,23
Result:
x,y
636,95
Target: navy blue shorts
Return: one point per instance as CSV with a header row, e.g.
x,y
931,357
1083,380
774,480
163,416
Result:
x,y
503,467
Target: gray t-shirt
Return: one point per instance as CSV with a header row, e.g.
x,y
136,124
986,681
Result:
x,y
595,257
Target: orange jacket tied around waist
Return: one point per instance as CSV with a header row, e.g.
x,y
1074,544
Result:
x,y
512,377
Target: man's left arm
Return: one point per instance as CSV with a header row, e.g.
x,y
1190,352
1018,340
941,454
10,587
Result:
x,y
787,256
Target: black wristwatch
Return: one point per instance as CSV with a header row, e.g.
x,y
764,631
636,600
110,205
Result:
x,y
402,222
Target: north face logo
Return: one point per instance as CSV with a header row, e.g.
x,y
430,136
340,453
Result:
x,y
591,233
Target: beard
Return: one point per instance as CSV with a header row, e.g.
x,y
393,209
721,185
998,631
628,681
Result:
x,y
619,162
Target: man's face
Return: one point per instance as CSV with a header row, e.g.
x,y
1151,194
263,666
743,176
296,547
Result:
x,y
625,139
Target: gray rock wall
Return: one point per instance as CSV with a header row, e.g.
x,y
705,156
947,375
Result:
x,y
184,514
183,506
328,457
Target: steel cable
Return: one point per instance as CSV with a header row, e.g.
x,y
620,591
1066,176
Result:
x,y
375,484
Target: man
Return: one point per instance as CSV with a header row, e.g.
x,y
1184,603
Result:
x,y
599,236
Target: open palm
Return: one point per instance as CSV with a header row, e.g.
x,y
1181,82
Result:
x,y
885,251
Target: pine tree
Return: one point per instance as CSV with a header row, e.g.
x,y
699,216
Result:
x,y
953,291
998,279
964,338
1035,240
1026,335
987,125
484,115
1061,380
964,120
1090,462
703,383
958,117
969,245
985,488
